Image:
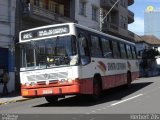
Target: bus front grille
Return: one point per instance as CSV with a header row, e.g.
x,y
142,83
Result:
x,y
48,76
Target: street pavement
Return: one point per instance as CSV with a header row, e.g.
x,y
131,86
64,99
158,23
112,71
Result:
x,y
12,98
142,98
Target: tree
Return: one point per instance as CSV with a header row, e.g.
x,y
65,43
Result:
x,y
148,59
150,54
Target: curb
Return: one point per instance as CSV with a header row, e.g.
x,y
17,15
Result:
x,y
14,101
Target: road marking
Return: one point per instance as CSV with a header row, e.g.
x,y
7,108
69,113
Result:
x,y
93,111
126,100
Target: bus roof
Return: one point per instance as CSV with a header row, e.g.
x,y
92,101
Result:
x,y
104,34
80,26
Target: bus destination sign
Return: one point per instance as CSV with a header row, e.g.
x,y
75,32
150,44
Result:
x,y
45,32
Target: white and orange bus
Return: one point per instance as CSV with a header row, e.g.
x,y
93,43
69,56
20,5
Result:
x,y
70,59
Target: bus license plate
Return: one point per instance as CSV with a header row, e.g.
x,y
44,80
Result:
x,y
47,91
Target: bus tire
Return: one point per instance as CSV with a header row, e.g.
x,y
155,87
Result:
x,y
51,99
97,89
129,80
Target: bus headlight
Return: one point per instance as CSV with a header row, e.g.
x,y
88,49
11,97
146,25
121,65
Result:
x,y
62,81
33,84
27,84
65,81
69,80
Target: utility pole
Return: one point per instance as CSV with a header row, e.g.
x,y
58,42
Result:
x,y
101,15
101,19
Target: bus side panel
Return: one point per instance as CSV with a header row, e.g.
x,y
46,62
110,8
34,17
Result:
x,y
114,80
108,82
135,75
121,79
86,86
50,91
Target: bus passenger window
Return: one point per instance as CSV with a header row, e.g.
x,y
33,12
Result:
x,y
123,51
84,51
107,52
95,47
116,52
129,53
133,52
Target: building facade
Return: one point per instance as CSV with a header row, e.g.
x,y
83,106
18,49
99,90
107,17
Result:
x,y
7,41
87,13
44,12
151,22
116,22
84,12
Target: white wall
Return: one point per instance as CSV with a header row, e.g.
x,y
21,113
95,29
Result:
x,y
87,20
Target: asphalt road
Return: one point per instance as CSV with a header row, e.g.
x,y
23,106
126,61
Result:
x,y
143,97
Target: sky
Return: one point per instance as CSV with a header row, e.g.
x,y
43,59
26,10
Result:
x,y
138,8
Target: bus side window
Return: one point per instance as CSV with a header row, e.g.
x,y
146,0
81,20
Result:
x,y
96,50
107,52
136,52
123,51
133,52
116,52
84,50
129,53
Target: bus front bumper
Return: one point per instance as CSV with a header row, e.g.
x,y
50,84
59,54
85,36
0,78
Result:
x,y
40,92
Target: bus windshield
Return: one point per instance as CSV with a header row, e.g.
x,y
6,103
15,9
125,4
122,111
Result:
x,y
53,52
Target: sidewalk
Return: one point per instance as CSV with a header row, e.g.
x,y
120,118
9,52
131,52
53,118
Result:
x,y
11,98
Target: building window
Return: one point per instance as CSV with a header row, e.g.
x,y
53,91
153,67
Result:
x,y
36,2
56,7
94,13
123,22
82,8
40,3
123,3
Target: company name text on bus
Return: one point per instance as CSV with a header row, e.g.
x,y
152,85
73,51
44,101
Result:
x,y
45,32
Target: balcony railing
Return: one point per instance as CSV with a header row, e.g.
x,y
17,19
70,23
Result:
x,y
109,3
33,10
130,2
130,16
110,27
116,30
130,13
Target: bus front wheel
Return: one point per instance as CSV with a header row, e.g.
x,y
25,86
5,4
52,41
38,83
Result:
x,y
51,99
